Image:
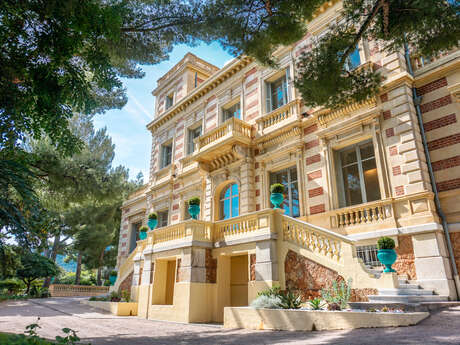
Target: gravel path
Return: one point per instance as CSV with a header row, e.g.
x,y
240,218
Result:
x,y
101,328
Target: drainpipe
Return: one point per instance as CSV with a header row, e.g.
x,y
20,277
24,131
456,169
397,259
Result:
x,y
417,101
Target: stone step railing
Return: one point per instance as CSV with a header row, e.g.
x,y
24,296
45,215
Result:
x,y
288,110
191,229
127,265
232,126
235,226
64,290
368,213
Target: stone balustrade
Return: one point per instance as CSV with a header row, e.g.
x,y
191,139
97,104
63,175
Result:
x,y
235,226
194,230
287,111
64,290
419,61
364,214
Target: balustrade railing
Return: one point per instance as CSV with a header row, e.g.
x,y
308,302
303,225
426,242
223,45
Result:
x,y
363,214
230,126
64,290
235,226
419,61
276,116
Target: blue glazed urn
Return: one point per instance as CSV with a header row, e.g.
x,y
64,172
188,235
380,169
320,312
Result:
x,y
152,223
387,257
194,210
277,199
142,235
112,279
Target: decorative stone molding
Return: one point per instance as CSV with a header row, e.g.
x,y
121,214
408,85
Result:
x,y
326,115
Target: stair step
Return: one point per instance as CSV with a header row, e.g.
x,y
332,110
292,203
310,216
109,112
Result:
x,y
408,286
405,292
406,298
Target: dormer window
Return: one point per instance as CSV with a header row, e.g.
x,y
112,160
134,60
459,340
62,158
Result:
x,y
169,101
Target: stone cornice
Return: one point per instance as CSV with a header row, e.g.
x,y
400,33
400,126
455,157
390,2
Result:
x,y
324,116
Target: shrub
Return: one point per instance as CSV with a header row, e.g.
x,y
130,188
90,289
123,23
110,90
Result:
x,y
114,297
113,273
273,291
385,243
277,188
126,295
143,228
316,304
289,300
337,296
153,215
35,266
194,201
266,301
13,286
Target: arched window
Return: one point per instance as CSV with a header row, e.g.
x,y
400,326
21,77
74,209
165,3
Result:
x,y
229,202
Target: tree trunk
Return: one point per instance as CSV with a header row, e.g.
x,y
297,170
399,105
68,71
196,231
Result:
x,y
78,271
99,269
54,251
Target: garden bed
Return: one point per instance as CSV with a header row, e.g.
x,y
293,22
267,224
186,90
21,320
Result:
x,y
116,308
310,320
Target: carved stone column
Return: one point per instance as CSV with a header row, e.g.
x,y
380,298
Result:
x,y
247,202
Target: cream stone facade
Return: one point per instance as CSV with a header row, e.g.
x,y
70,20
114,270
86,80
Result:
x,y
352,175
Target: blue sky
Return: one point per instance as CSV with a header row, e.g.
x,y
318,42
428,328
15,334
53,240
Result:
x,y
127,126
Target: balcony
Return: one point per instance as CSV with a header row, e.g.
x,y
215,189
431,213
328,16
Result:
x,y
281,117
220,141
422,64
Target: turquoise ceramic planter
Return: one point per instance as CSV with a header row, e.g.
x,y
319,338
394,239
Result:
x,y
143,235
152,223
194,211
276,199
388,258
112,279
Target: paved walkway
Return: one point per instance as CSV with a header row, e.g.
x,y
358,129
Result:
x,y
101,328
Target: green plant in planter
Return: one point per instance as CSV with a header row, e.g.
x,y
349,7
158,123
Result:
x,y
386,254
289,300
143,232
153,220
194,207
276,196
316,304
277,188
126,295
113,277
337,296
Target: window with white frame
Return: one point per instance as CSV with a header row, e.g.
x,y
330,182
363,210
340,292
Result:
x,y
353,60
233,111
162,218
166,155
357,174
169,101
277,92
229,202
288,178
193,133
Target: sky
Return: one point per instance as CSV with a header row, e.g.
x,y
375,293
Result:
x,y
127,126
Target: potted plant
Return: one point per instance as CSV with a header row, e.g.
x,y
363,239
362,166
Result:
x,y
386,254
143,232
194,207
153,220
113,277
277,197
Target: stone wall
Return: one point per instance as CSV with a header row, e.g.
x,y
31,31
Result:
x,y
179,275
405,263
252,267
455,238
211,267
126,284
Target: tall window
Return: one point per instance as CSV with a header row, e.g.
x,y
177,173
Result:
x,y
134,236
277,92
357,171
162,218
169,101
186,213
288,178
353,60
229,202
192,134
166,153
233,111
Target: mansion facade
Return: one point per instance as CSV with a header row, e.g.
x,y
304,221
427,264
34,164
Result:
x,y
351,175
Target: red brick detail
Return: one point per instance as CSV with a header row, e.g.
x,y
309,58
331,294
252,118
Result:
x,y
444,142
313,159
310,129
390,132
211,127
252,115
126,284
446,163
448,185
393,151
256,165
123,244
257,178
252,267
178,155
175,217
437,103
252,82
176,196
311,144
211,98
211,108
396,170
384,97
175,207
257,207
315,192
125,226
434,85
252,104
176,186
399,190
314,175
249,94
441,122
257,192
124,235
179,146
405,264
317,209
386,114
250,72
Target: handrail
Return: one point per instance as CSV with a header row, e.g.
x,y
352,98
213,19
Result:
x,y
235,226
367,213
278,115
229,126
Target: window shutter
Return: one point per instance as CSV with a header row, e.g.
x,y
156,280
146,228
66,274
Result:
x,y
268,104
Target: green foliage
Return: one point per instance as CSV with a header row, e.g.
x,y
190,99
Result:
x,y
35,266
316,304
290,300
194,201
126,295
338,295
271,291
153,215
114,296
266,301
87,277
12,286
113,273
277,188
143,228
386,243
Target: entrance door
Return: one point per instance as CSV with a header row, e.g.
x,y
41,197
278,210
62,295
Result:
x,y
170,280
239,278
